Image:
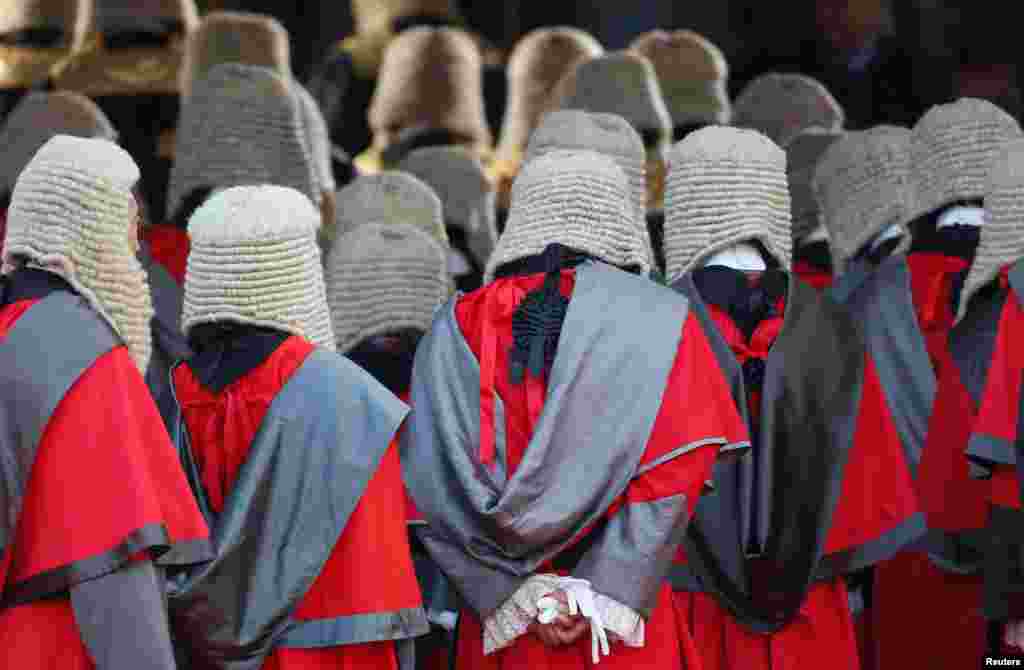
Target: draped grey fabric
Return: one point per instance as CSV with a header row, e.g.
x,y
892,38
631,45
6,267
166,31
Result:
x,y
33,381
603,395
317,448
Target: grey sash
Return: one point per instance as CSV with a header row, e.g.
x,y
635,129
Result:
x,y
603,395
42,356
722,516
317,448
881,301
812,388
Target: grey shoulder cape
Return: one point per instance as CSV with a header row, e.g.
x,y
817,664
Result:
x,y
813,380
490,532
317,448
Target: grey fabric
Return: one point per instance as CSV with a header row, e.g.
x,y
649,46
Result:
x,y
356,629
39,363
317,448
812,393
488,537
972,341
631,558
722,517
122,618
169,344
882,302
813,379
988,450
880,549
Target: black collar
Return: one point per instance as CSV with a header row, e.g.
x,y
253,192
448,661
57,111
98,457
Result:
x,y
226,352
730,291
30,284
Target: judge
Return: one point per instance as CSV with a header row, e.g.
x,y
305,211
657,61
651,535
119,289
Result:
x,y
289,448
97,500
518,384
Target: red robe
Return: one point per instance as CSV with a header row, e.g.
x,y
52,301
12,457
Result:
x,y
998,418
369,569
1000,406
874,499
169,246
906,633
104,469
485,319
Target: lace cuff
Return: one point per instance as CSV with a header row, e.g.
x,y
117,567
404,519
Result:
x,y
513,618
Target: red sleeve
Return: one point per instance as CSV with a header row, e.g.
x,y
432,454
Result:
x,y
370,569
877,491
697,419
998,414
105,469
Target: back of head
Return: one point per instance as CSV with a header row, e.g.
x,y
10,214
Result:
x,y
467,198
781,105
374,16
384,278
803,152
539,61
863,185
390,198
235,37
71,214
1002,237
579,199
622,83
693,75
606,134
255,260
37,118
725,186
952,148
431,78
242,125
136,48
46,32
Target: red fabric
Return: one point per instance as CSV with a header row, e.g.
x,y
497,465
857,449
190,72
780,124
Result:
x,y
931,285
906,632
169,245
877,492
876,495
685,417
104,469
1000,405
924,617
951,500
369,569
813,276
821,634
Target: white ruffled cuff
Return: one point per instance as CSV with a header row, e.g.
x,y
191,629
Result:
x,y
513,618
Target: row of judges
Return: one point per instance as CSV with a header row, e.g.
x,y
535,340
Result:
x,y
728,389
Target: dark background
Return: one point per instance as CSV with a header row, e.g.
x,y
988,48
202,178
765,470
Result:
x,y
953,47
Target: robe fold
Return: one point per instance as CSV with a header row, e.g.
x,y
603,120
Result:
x,y
944,567
651,442
94,491
993,450
866,509
319,573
